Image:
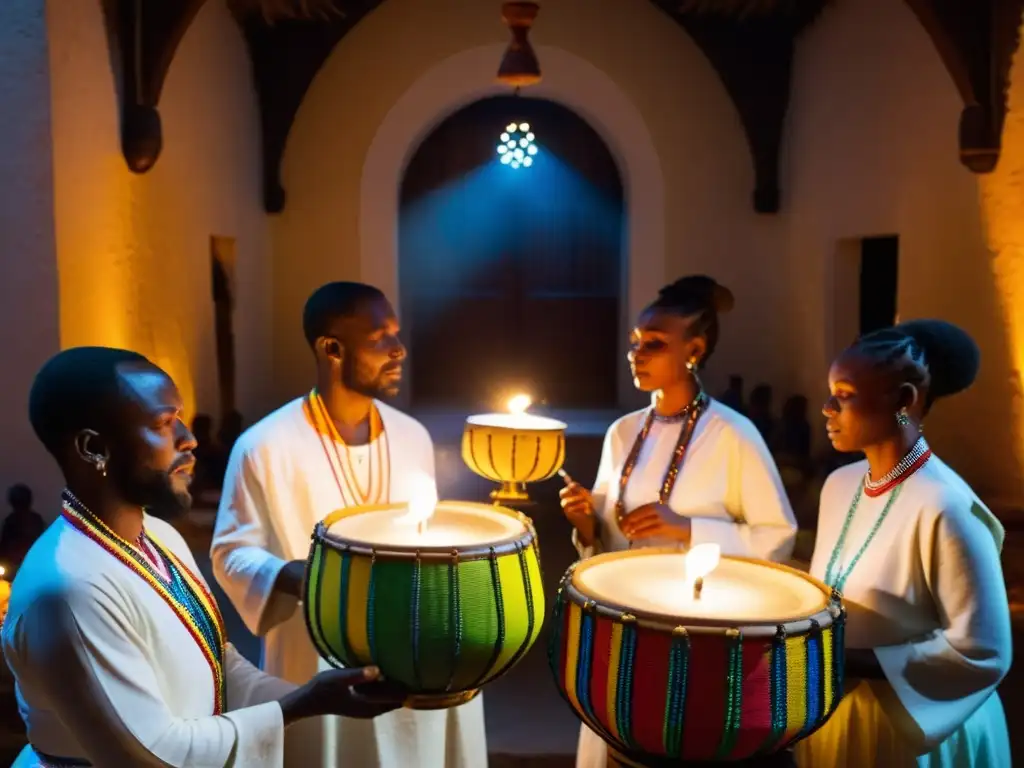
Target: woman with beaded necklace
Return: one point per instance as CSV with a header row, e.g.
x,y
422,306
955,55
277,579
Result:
x,y
915,555
686,470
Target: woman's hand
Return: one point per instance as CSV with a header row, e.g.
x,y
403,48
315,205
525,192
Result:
x,y
655,520
578,506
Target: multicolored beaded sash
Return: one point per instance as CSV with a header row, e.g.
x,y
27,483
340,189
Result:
x,y
187,596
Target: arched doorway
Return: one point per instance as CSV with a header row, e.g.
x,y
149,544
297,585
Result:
x,y
512,278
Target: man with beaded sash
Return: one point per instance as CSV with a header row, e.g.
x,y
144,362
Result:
x,y
117,649
688,469
338,446
915,554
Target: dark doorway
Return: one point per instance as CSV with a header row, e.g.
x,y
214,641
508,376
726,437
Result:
x,y
510,278
879,278
222,262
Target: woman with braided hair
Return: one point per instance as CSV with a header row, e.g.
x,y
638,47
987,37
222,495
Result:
x,y
687,469
915,554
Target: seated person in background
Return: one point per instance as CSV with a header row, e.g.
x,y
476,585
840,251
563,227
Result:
x,y
21,529
117,649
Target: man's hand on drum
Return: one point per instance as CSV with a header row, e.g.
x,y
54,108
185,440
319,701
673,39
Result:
x,y
357,692
578,507
655,521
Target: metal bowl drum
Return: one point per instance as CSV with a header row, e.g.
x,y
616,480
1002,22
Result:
x,y
668,690
444,616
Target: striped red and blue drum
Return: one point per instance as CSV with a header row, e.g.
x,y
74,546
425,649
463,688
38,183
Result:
x,y
664,690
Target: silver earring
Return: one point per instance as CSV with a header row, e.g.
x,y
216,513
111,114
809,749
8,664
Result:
x,y
101,465
902,419
691,365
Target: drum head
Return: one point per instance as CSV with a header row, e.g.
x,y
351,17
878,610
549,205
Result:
x,y
737,592
454,525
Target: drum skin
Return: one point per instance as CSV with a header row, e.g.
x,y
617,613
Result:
x,y
664,696
441,625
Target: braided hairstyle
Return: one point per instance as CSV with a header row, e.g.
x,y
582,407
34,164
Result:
x,y
700,297
932,355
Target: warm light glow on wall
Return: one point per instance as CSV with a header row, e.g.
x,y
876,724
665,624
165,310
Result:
x,y
114,258
1002,207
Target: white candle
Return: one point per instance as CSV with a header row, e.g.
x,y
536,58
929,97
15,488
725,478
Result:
x,y
735,592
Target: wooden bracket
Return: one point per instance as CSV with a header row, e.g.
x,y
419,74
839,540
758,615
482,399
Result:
x,y
143,37
752,52
976,40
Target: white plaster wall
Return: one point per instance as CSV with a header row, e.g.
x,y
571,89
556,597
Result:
x,y
872,149
708,226
134,250
29,333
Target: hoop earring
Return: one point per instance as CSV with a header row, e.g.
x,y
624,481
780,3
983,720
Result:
x,y
902,419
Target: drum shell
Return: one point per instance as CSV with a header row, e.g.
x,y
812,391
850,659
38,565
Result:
x,y
664,695
436,623
513,456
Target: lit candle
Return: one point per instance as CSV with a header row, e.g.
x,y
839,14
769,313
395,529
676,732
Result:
x,y
700,561
5,593
425,523
734,591
517,418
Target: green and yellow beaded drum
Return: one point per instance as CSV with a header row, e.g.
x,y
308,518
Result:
x,y
669,671
442,609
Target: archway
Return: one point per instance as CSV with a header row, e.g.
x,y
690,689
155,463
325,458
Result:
x,y
574,82
510,275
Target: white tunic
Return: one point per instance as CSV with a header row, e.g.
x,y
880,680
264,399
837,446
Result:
x,y
728,486
279,485
106,671
928,596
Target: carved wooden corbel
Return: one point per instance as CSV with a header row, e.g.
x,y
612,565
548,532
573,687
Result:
x,y
750,44
143,37
976,40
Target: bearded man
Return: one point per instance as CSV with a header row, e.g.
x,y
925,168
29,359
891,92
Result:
x,y
337,446
117,649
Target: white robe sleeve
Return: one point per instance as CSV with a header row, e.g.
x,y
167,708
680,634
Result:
x,y
83,653
242,562
941,679
767,527
603,485
248,686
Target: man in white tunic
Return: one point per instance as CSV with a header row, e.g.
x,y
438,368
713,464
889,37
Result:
x,y
915,554
337,446
117,648
687,470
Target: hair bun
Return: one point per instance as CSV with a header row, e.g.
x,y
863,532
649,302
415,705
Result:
x,y
698,290
952,356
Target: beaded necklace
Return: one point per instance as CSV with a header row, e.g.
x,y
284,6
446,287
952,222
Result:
x,y
350,488
690,415
835,576
183,591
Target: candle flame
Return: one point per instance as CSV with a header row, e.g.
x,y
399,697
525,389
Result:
x,y
519,403
701,560
422,500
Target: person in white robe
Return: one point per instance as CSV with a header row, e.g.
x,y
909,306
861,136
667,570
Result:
x,y
687,470
915,555
116,647
336,447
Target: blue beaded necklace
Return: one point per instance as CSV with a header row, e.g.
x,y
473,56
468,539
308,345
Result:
x,y
836,577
